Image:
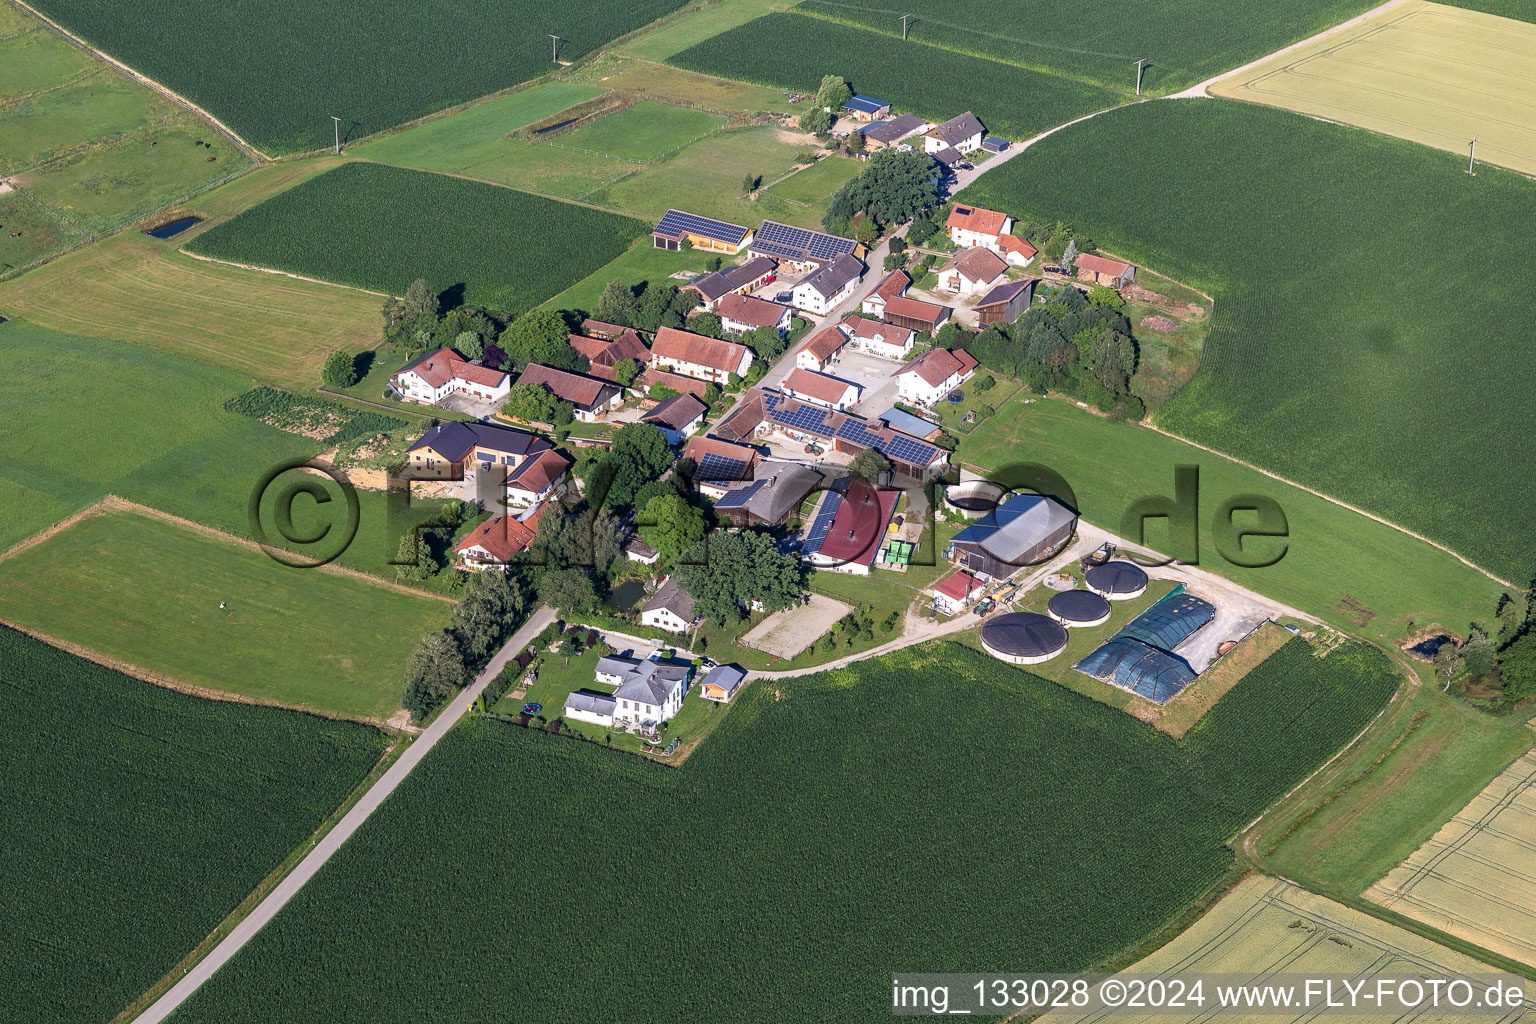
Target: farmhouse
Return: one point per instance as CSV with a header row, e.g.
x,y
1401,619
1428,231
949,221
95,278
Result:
x,y
538,479
604,353
497,541
678,417
694,355
878,338
866,108
770,498
963,134
670,608
892,286
822,291
732,281
677,227
923,317
591,399
742,313
955,591
1016,251
817,353
448,449
1024,530
971,226
846,531
934,374
719,465
799,249
1005,303
889,133
677,382
820,389
1105,271
430,378
974,270
762,412
722,683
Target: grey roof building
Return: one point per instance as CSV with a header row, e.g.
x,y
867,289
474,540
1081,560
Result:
x,y
957,129
775,492
671,597
722,682
888,133
835,276
653,681
1024,530
591,703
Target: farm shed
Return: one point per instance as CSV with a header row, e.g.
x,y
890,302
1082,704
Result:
x,y
1024,530
678,226
1005,303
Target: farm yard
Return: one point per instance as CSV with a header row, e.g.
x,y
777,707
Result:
x,y
276,74
379,228
1474,879
1421,71
138,819
771,798
1325,364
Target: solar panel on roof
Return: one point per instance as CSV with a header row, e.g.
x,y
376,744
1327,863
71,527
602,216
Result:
x,y
822,524
799,241
736,497
677,222
713,468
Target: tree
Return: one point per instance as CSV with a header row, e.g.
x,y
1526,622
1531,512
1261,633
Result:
x,y
1477,654
1069,255
765,342
625,371
434,671
541,336
815,121
739,568
894,187
535,404
660,392
855,142
707,324
413,559
865,229
750,182
420,300
607,540
338,370
1105,297
617,305
671,525
469,344
1448,663
1112,360
713,264
833,92
639,455
569,590
490,605
868,465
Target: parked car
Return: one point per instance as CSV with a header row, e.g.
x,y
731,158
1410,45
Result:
x,y
1050,269
784,296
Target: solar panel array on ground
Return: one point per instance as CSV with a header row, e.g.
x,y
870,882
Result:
x,y
1132,665
678,222
800,243
1170,621
822,524
713,468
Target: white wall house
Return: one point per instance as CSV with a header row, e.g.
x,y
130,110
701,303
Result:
x,y
934,374
694,355
538,480
962,133
820,293
880,339
596,708
972,226
820,389
430,378
670,608
973,272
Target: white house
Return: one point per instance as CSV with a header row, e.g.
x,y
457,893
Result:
x,y
822,291
893,286
934,374
596,708
649,692
678,418
879,338
430,378
971,227
538,479
694,355
742,313
669,608
972,272
820,389
817,353
961,133
955,591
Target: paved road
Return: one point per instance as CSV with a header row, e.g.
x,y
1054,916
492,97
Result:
x,y
285,890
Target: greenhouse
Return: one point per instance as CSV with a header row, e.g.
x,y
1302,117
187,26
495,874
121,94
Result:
x,y
1132,665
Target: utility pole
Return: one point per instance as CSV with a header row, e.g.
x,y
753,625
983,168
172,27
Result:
x,y
904,18
1471,154
554,49
338,133
1141,63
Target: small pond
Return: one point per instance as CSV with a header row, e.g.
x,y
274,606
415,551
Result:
x,y
626,595
172,228
1431,647
557,127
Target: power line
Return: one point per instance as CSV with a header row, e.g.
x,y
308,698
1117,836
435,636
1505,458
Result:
x,y
904,18
338,133
1471,154
1141,63
554,49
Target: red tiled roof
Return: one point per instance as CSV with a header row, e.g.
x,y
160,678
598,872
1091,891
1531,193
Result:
x,y
676,381
1100,265
675,412
589,347
974,218
958,587
861,327
502,535
825,343
602,329
939,364
914,309
605,353
538,473
1013,243
687,347
582,392
699,446
745,309
977,264
894,284
743,421
438,368
817,385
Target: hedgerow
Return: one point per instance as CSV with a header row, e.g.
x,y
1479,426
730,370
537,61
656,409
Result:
x,y
930,809
378,227
137,818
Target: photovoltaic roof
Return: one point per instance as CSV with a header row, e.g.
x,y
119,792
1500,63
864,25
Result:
x,y
713,468
1132,665
822,524
1170,621
800,243
826,423
865,104
680,222
737,497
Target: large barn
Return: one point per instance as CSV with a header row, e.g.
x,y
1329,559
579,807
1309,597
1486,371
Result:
x,y
1024,530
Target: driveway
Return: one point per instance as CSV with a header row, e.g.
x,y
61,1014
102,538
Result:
x,y
476,407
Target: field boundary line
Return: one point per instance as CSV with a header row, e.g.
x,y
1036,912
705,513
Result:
x,y
249,150
498,184
1336,501
282,273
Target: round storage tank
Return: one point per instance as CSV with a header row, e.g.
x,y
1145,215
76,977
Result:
x,y
1117,580
1023,638
1078,608
974,498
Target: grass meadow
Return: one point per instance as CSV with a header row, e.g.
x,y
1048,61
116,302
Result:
x,y
793,51
277,73
830,807
1330,359
147,592
377,227
138,819
697,25
815,185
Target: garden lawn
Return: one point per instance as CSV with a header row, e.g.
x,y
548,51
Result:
x,y
139,818
1332,553
147,592
276,73
831,807
645,132
816,183
380,228
642,263
1328,358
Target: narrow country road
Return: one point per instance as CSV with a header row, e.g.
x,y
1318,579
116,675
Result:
x,y
285,890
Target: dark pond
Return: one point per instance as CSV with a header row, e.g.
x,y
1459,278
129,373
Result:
x,y
557,127
173,228
626,595
1431,647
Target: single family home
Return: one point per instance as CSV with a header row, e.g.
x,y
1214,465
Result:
x,y
650,691
972,226
893,285
820,389
449,449
878,338
742,313
821,292
1017,251
670,608
963,134
699,357
973,271
538,479
934,374
678,417
497,541
430,378
818,352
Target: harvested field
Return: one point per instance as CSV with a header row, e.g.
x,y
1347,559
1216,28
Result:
x,y
1476,879
789,632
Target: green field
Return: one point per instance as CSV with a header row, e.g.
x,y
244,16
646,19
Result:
x,y
1332,553
277,73
147,592
643,133
698,24
1328,359
378,227
794,52
138,819
1421,71
642,263
832,808
815,184
1185,41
